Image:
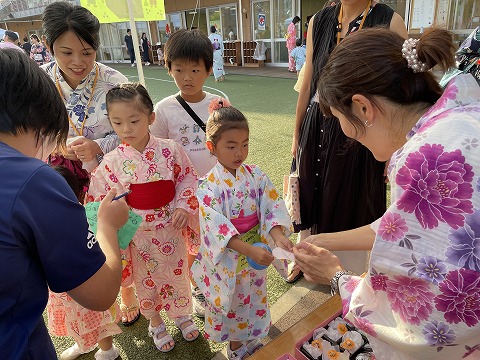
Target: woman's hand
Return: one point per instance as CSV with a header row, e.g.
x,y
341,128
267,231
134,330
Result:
x,y
260,255
318,264
179,218
294,145
84,149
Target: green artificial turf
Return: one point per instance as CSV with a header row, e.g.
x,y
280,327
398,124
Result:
x,y
269,105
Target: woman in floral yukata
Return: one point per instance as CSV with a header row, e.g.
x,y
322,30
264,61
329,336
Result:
x,y
420,298
72,35
239,206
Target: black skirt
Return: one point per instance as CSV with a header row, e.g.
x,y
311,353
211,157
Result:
x,y
341,184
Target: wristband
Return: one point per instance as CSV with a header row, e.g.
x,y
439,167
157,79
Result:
x,y
336,278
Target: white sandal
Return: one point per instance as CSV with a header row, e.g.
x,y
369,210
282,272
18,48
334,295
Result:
x,y
188,329
164,340
253,346
238,354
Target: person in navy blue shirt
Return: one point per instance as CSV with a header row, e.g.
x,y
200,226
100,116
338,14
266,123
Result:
x,y
45,240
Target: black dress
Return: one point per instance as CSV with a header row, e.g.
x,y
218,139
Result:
x,y
341,184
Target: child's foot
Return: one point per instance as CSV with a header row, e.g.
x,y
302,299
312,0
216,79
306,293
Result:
x,y
74,351
163,340
199,302
111,354
237,354
129,306
187,327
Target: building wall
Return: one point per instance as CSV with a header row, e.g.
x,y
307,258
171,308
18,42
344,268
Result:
x,y
24,28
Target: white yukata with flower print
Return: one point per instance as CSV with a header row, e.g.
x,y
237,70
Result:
x,y
421,296
237,306
97,127
157,255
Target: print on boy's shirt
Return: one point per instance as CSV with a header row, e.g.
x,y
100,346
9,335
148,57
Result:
x,y
91,239
184,129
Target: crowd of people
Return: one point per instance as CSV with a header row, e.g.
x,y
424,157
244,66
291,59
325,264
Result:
x,y
206,222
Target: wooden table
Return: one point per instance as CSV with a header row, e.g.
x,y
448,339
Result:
x,y
285,343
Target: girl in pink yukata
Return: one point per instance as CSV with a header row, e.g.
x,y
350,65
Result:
x,y
162,185
68,318
239,206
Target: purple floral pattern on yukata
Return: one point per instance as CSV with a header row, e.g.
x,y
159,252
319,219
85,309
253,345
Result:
x,y
438,333
437,186
460,297
392,227
410,298
464,249
431,269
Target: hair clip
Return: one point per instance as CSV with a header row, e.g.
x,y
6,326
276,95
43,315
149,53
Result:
x,y
218,103
409,52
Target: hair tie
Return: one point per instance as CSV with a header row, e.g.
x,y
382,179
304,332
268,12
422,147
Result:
x,y
218,103
409,52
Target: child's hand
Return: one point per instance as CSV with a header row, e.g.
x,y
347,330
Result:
x,y
284,243
280,239
179,218
260,255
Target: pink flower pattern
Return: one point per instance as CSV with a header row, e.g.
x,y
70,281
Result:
x,y
437,186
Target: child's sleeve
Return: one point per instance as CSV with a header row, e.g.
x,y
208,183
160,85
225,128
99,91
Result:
x,y
185,179
216,230
101,182
159,127
273,211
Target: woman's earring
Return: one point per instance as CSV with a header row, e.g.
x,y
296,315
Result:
x,y
367,124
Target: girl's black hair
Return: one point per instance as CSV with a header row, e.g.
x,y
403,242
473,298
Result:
x,y
131,92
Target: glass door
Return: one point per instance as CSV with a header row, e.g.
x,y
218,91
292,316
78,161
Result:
x,y
262,24
283,15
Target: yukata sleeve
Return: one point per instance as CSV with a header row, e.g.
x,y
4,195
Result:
x,y
101,181
185,179
215,228
273,211
109,142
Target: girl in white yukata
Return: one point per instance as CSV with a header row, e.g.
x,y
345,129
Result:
x,y
162,185
239,206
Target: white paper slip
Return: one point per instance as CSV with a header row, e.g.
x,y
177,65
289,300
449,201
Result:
x,y
280,253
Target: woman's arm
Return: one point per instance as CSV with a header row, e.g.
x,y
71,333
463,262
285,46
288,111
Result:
x,y
304,94
397,25
361,238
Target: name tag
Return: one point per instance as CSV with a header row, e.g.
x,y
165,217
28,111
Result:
x,y
250,237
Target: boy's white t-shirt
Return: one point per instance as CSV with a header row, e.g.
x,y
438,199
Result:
x,y
173,122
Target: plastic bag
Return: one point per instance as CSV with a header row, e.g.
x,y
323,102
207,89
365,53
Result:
x,y
260,49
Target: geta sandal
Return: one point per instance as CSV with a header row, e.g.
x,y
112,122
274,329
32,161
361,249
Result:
x,y
187,330
297,277
164,340
126,309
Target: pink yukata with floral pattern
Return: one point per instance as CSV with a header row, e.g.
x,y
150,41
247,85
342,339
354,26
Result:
x,y
421,296
237,305
156,258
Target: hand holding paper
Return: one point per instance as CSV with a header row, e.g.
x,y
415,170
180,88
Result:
x,y
280,254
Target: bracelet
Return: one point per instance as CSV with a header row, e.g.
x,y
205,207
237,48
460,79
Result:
x,y
336,278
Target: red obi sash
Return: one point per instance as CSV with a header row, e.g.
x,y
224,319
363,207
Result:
x,y
152,195
245,223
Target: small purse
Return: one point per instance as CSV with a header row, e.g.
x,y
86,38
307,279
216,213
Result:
x,y
291,194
